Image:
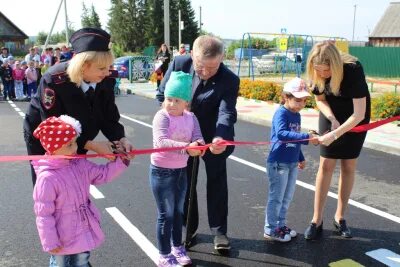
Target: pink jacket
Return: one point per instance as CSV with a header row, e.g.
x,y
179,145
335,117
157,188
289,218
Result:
x,y
18,74
65,216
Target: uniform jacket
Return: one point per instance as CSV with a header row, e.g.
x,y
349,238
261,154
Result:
x,y
215,104
57,95
65,217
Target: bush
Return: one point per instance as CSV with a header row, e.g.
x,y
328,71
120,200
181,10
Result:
x,y
266,91
260,90
385,106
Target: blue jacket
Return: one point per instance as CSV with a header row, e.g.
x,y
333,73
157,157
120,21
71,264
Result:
x,y
215,104
286,126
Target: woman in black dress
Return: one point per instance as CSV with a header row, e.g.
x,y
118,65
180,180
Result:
x,y
343,99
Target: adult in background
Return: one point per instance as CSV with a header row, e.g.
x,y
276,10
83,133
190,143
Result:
x,y
344,102
182,50
164,56
4,54
81,88
215,91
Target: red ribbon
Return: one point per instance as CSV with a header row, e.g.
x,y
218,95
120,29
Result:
x,y
358,129
373,125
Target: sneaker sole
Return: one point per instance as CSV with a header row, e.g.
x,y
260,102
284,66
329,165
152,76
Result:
x,y
271,238
222,247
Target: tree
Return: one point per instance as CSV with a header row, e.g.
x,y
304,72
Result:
x,y
191,30
135,24
90,19
85,17
153,22
94,19
41,38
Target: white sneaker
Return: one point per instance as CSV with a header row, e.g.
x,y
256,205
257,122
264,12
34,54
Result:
x,y
180,255
278,235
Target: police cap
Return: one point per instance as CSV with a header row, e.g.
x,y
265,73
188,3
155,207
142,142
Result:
x,y
90,39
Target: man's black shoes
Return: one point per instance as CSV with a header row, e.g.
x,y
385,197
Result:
x,y
221,242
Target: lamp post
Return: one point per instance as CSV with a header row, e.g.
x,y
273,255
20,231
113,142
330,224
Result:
x,y
354,22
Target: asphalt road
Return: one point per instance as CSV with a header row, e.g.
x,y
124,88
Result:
x,y
129,212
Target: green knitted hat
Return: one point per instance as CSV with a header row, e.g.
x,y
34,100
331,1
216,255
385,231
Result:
x,y
179,86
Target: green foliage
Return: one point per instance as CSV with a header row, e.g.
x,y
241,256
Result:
x,y
90,19
94,19
117,50
58,37
190,31
136,24
256,43
386,105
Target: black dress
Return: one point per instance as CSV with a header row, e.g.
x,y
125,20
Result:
x,y
353,85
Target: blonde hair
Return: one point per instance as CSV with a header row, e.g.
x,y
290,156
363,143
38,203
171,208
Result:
x,y
76,64
326,53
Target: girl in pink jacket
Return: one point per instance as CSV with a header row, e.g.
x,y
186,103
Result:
x,y
67,221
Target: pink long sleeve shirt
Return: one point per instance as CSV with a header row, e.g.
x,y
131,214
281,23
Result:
x,y
174,131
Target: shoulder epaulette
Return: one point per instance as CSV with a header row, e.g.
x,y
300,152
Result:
x,y
59,77
113,74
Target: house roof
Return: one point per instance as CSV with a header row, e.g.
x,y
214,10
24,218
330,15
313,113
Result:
x,y
389,24
9,30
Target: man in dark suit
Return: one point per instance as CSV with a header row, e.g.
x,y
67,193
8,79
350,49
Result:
x,y
215,91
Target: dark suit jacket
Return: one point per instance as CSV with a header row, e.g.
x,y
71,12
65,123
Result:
x,y
215,104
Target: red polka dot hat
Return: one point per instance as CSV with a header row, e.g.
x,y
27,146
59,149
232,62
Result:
x,y
55,132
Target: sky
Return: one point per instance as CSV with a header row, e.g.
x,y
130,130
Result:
x,y
228,19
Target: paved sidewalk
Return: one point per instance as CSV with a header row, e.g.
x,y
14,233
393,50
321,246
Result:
x,y
385,138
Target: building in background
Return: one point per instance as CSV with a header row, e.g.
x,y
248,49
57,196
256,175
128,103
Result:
x,y
387,30
10,35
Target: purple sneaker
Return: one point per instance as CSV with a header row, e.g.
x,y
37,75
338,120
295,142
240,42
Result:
x,y
167,261
180,255
278,235
289,231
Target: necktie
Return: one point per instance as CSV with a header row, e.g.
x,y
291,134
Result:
x,y
90,95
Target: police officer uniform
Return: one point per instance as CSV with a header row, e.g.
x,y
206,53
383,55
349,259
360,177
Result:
x,y
57,95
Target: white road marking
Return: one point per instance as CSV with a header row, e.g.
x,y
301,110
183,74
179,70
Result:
x,y
300,183
385,256
137,121
135,234
95,192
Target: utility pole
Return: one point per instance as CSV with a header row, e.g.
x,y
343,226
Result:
x,y
52,26
200,24
166,23
354,22
66,23
179,28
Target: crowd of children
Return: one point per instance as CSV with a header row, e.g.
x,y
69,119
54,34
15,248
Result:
x,y
20,78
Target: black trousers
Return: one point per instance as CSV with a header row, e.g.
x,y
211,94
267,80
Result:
x,y
217,193
33,145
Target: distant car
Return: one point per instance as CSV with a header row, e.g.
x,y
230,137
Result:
x,y
141,69
121,65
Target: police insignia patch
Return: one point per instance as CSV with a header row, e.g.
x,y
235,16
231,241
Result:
x,y
49,98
